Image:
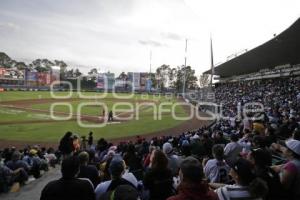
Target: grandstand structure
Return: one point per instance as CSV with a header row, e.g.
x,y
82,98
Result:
x,y
278,57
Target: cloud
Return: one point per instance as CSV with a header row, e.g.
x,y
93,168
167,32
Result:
x,y
171,36
151,43
9,26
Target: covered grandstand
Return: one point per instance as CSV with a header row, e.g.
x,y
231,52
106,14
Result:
x,y
277,57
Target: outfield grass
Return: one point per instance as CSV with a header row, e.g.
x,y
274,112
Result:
x,y
52,131
23,95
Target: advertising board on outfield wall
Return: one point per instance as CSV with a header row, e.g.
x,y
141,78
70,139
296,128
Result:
x,y
14,76
105,81
12,73
140,81
44,79
55,73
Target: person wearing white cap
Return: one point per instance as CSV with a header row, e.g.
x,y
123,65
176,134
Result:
x,y
290,172
173,160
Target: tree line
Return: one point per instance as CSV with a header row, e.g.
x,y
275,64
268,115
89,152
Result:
x,y
162,78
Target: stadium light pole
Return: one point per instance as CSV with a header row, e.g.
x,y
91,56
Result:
x,y
150,70
184,76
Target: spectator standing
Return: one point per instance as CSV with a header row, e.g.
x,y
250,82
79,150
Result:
x,y
84,141
90,139
66,145
76,143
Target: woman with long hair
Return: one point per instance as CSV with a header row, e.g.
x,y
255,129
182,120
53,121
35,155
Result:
x,y
159,180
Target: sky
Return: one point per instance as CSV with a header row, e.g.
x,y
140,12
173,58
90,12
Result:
x,y
118,35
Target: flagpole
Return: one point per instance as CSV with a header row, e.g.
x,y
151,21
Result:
x,y
184,76
212,62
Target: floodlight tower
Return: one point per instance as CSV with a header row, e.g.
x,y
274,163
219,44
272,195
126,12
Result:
x,y
184,76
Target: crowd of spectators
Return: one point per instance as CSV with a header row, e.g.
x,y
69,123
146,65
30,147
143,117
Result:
x,y
18,166
251,157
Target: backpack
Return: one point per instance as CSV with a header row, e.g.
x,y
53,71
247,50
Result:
x,y
110,192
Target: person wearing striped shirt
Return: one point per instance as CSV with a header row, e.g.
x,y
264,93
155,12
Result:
x,y
247,186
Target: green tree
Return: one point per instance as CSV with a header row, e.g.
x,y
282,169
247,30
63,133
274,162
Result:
x,y
69,73
77,73
93,71
123,76
5,60
162,75
63,68
42,65
172,77
204,80
190,78
21,65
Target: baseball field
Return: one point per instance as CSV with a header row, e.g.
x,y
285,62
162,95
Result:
x,y
41,116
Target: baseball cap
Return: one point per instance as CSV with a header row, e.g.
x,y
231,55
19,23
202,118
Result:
x,y
195,137
116,166
33,152
293,145
185,143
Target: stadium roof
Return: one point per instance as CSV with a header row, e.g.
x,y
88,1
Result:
x,y
282,49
